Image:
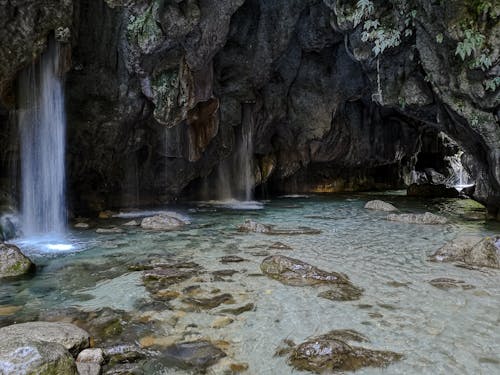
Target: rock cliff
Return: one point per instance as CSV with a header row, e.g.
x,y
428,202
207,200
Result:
x,y
339,94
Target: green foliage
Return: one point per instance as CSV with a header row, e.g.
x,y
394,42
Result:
x,y
381,37
492,84
472,43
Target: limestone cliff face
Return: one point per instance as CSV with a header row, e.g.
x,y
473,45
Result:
x,y
159,90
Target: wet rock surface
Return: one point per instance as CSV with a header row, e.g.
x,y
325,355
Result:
x,y
71,337
471,250
295,272
331,352
426,218
25,356
13,262
192,355
379,205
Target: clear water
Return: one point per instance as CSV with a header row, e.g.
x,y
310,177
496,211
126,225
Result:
x,y
42,125
439,331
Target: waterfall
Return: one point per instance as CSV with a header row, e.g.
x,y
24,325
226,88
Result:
x,y
244,165
460,178
235,175
42,124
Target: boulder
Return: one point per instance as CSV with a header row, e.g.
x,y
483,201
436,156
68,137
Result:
x,y
329,353
432,191
22,355
379,205
471,250
163,222
292,271
193,355
71,337
427,218
13,262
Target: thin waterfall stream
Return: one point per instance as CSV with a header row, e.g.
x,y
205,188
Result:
x,y
42,126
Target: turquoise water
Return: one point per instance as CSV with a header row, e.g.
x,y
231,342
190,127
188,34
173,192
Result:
x,y
438,331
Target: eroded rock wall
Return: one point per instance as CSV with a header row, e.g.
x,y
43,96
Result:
x,y
157,92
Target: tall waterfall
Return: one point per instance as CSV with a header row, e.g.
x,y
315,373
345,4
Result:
x,y
42,125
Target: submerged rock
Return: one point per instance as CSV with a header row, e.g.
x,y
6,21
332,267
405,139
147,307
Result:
x,y
162,276
109,230
330,352
279,246
238,310
253,226
209,303
446,283
471,250
427,218
164,221
13,262
192,355
292,271
68,335
379,205
342,292
232,259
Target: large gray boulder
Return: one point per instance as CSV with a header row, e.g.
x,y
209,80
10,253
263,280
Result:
x,y
13,262
471,250
71,337
20,356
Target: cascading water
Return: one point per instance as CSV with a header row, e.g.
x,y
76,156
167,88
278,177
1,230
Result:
x,y
244,165
42,126
460,178
235,175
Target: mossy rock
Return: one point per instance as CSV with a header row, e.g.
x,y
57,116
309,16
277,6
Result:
x,y
13,262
